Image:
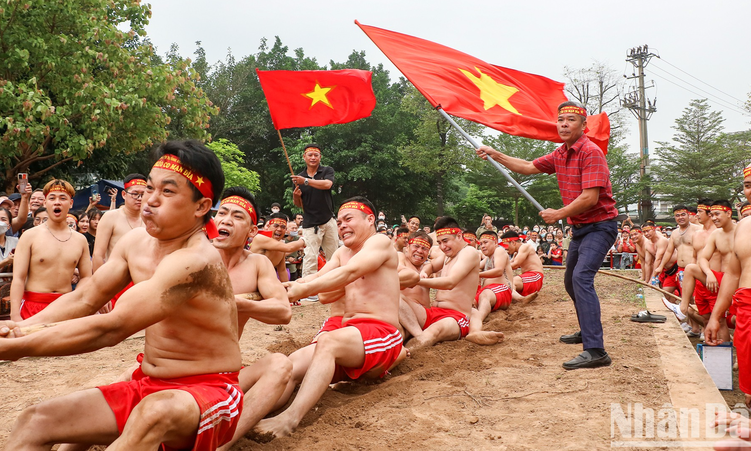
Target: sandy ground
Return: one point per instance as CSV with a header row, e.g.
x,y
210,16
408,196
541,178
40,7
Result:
x,y
456,395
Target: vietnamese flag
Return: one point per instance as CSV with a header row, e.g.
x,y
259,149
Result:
x,y
514,102
311,98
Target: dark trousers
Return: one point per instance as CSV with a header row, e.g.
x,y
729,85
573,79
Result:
x,y
586,253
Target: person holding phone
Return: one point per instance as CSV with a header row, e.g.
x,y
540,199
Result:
x,y
7,243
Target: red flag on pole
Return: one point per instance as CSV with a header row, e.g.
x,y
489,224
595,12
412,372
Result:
x,y
514,102
311,98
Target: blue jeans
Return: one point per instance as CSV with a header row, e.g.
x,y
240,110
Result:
x,y
586,253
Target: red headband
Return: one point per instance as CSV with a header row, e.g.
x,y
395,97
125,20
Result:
x,y
402,235
448,231
721,208
279,221
135,182
573,109
312,149
703,207
682,210
745,209
242,203
647,227
511,238
74,217
470,234
57,188
172,163
356,206
746,171
420,242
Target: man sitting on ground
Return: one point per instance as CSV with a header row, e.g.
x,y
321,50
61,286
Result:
x,y
455,287
368,344
525,257
414,297
185,394
264,381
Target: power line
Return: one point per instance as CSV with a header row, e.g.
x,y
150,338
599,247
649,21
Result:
x,y
715,101
695,78
707,93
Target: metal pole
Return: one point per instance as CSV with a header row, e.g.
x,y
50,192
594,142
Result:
x,y
497,165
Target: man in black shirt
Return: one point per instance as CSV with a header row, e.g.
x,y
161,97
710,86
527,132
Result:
x,y
313,193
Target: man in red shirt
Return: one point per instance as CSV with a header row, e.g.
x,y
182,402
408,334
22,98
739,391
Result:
x,y
584,182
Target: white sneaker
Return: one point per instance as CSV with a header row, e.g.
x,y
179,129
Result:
x,y
674,308
685,327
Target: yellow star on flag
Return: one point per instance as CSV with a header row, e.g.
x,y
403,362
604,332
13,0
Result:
x,y
492,92
318,94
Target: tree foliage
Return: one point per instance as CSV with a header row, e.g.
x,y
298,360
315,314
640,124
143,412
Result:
x,y
72,83
701,161
231,159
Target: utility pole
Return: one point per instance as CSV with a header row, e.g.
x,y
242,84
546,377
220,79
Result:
x,y
642,108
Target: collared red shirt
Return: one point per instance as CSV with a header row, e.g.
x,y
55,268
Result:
x,y
581,167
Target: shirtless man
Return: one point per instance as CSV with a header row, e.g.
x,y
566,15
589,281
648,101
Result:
x,y
117,223
704,219
668,277
368,342
400,239
471,239
274,247
681,244
264,381
709,274
735,291
496,290
414,297
526,258
186,386
455,286
645,251
47,257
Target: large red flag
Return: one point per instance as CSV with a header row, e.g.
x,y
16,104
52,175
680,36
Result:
x,y
311,98
514,102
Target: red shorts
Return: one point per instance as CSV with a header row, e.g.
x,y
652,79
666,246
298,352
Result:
x,y
532,282
117,296
382,342
33,303
502,295
435,314
742,337
218,396
704,298
732,311
331,323
667,281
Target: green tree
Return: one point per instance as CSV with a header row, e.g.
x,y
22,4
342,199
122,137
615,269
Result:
x,y
72,82
700,161
541,187
437,148
232,159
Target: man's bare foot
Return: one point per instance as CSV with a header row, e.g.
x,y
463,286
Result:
x,y
529,298
485,337
270,428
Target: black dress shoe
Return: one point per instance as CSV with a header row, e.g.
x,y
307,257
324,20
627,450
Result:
x,y
573,339
585,360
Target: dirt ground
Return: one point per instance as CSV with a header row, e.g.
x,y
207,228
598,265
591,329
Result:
x,y
457,395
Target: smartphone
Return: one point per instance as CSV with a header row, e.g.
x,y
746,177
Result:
x,y
94,190
23,179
